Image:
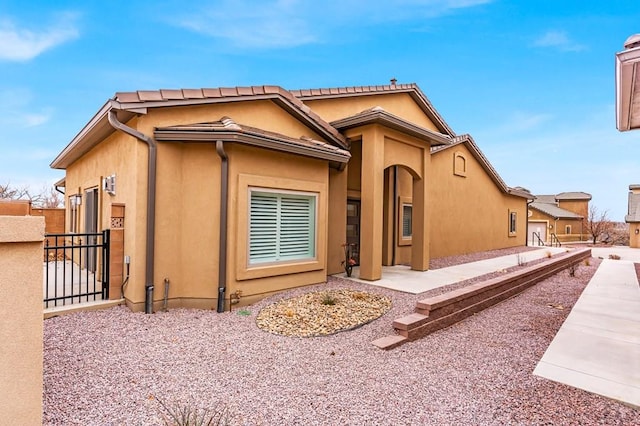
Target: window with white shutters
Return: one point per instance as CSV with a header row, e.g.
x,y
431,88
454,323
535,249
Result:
x,y
282,226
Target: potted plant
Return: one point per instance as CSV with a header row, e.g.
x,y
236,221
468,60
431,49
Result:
x,y
349,261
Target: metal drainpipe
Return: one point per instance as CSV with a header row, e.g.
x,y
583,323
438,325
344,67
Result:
x,y
151,204
526,237
222,255
394,232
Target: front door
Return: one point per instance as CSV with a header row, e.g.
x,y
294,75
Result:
x,y
353,228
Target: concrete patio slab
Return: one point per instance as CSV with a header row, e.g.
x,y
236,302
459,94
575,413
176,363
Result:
x,y
402,278
597,349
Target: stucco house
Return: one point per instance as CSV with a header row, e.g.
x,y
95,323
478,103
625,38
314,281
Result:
x,y
628,118
633,216
628,85
246,191
558,217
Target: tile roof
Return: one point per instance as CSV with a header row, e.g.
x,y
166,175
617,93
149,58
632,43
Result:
x,y
633,215
573,196
554,211
211,131
379,115
171,97
550,199
411,88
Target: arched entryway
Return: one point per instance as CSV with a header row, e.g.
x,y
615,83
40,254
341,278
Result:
x,y
381,155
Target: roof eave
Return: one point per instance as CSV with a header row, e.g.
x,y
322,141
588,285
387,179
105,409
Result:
x,y
165,135
389,120
412,89
626,77
279,97
522,194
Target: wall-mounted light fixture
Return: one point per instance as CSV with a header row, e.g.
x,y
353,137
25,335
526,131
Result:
x,y
109,184
637,231
76,200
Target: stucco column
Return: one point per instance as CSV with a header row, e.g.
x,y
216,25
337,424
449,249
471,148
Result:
x,y
337,225
21,325
421,218
372,201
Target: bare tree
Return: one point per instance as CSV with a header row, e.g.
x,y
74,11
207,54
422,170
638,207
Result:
x,y
46,198
8,192
598,223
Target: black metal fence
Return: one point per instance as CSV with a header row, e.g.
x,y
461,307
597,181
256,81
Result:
x,y
76,268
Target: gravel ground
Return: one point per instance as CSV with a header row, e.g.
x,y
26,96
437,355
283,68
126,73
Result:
x,y
110,367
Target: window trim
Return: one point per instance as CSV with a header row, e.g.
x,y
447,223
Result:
x,y
279,195
513,223
402,239
567,228
246,271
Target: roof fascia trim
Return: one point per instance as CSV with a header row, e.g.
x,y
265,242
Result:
x,y
413,90
100,116
301,113
389,120
626,69
261,141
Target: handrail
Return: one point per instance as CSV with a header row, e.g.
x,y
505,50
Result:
x,y
537,239
555,241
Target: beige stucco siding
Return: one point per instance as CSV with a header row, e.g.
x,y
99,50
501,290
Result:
x,y
580,207
126,157
399,104
262,114
258,168
470,213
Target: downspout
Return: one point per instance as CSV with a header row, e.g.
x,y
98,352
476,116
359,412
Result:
x,y
394,233
222,254
151,204
526,238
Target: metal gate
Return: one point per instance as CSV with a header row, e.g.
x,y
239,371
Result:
x,y
76,268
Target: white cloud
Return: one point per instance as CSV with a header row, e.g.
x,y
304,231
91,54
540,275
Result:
x,y
16,109
559,40
22,44
290,23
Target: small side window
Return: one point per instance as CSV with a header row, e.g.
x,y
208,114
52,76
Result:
x,y
407,224
513,223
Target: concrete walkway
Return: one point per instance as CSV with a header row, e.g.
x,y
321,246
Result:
x,y
402,278
597,349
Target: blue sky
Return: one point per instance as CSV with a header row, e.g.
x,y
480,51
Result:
x,y
531,81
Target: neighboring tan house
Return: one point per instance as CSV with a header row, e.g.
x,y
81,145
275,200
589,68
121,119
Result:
x,y
247,191
633,216
628,118
558,218
628,85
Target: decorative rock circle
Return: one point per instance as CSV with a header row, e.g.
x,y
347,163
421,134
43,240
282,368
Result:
x,y
322,313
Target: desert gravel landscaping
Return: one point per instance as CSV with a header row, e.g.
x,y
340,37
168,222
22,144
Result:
x,y
110,367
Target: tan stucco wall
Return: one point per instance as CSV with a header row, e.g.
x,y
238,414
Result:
x,y
265,170
126,157
15,207
634,239
580,207
470,214
21,320
399,104
188,200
